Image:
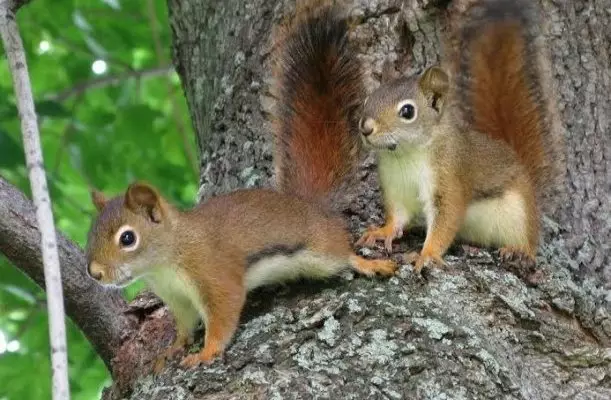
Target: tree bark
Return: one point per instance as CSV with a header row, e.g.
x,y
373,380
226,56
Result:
x,y
472,330
580,41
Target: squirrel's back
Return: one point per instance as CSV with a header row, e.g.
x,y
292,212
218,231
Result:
x,y
318,87
503,83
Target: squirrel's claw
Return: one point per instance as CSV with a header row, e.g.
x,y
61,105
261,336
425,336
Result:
x,y
373,267
387,233
206,356
513,255
421,260
522,263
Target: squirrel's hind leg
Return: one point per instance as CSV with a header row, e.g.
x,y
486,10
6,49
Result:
x,y
372,267
336,243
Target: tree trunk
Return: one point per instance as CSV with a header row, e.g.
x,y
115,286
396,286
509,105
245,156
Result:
x,y
472,330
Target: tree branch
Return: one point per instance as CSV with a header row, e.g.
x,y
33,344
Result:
x,y
109,80
15,54
96,311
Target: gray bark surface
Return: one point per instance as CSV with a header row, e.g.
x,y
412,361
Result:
x,y
580,42
470,331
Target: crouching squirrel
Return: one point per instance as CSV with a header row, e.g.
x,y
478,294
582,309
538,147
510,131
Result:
x,y
203,261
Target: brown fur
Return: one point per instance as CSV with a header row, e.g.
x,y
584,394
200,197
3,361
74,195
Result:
x,y
318,86
511,98
486,137
210,246
202,262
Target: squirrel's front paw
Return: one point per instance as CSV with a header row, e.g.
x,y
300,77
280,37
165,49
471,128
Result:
x,y
387,233
206,356
424,259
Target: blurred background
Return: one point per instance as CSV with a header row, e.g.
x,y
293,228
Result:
x,y
111,110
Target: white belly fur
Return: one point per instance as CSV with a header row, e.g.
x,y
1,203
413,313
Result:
x,y
178,292
282,268
183,298
407,183
496,222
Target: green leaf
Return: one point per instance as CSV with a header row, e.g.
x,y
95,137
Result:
x,y
11,152
19,292
105,136
50,108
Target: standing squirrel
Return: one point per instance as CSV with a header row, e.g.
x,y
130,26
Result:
x,y
472,145
203,261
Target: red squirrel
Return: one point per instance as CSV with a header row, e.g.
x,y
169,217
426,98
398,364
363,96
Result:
x,y
203,261
471,145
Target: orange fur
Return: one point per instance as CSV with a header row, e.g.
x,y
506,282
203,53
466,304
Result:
x,y
501,83
318,87
206,254
503,106
388,232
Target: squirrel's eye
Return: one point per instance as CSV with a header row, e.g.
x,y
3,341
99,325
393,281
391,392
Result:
x,y
407,111
127,238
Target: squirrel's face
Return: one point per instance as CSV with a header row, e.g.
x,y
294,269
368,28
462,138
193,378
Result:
x,y
129,236
403,112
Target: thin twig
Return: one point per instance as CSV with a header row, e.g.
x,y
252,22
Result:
x,y
109,80
15,53
181,126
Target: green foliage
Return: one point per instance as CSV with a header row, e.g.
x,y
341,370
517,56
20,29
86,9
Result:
x,y
102,130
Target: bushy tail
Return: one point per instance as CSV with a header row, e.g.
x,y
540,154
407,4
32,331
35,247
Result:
x,y
504,83
318,87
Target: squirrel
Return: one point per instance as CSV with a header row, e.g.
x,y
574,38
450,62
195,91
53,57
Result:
x,y
471,144
202,262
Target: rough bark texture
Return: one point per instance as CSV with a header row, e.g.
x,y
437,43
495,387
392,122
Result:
x,y
580,41
97,312
472,330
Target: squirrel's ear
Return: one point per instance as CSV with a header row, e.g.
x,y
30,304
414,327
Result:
x,y
98,199
434,81
144,199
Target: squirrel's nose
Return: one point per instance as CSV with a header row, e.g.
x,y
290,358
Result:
x,y
95,271
366,126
